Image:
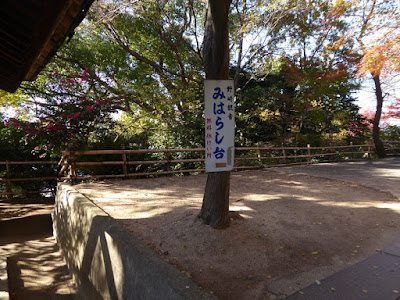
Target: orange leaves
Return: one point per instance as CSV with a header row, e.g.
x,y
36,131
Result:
x,y
374,28
394,110
373,61
382,56
339,8
338,43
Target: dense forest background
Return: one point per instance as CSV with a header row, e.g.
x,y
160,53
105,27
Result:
x,y
132,76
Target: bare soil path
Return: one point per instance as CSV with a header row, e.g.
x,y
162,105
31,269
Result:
x,y
296,228
31,265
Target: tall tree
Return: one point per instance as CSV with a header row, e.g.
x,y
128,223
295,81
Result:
x,y
215,208
375,29
322,77
147,53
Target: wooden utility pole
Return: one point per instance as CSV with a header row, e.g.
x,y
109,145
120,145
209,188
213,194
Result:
x,y
215,208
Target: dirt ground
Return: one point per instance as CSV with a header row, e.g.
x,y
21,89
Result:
x,y
31,265
295,229
36,269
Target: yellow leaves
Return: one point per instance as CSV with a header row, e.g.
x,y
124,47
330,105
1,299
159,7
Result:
x,y
11,99
340,42
267,114
339,8
373,61
338,2
382,57
375,32
337,122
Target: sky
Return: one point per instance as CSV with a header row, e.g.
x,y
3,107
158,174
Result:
x,y
367,102
365,98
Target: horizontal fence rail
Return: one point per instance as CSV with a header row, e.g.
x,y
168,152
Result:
x,y
392,147
102,164
7,180
75,167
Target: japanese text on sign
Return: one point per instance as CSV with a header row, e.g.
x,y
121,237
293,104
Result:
x,y
219,125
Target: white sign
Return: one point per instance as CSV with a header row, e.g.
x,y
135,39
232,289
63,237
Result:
x,y
220,125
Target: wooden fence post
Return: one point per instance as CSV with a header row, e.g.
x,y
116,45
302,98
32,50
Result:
x,y
168,157
284,156
125,165
352,151
337,156
330,151
8,183
259,156
309,154
202,158
72,166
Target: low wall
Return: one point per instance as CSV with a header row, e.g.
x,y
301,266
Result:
x,y
107,261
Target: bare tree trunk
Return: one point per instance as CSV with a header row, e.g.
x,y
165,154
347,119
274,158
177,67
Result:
x,y
379,146
241,38
215,208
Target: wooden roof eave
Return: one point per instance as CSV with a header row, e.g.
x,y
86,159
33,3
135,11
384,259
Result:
x,y
29,39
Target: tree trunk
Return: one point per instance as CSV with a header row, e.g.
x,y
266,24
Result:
x,y
215,208
379,147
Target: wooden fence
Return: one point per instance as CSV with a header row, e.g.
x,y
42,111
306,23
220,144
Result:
x,y
7,180
171,161
101,164
392,148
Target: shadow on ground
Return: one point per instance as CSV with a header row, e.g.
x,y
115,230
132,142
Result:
x,y
296,228
30,257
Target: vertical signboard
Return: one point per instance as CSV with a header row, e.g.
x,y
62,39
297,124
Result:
x,y
219,124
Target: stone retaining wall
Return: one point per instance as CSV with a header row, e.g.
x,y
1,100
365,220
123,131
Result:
x,y
107,261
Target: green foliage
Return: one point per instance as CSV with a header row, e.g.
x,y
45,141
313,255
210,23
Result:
x,y
12,149
133,75
296,106
391,133
9,99
75,107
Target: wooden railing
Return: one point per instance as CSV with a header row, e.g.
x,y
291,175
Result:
x,y
392,148
162,162
7,180
101,164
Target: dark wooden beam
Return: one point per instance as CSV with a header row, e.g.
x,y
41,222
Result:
x,y
31,31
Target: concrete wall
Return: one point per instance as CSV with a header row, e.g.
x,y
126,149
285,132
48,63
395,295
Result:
x,y
107,261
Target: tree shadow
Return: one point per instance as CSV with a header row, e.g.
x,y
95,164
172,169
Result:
x,y
35,267
294,225
109,262
29,225
296,228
